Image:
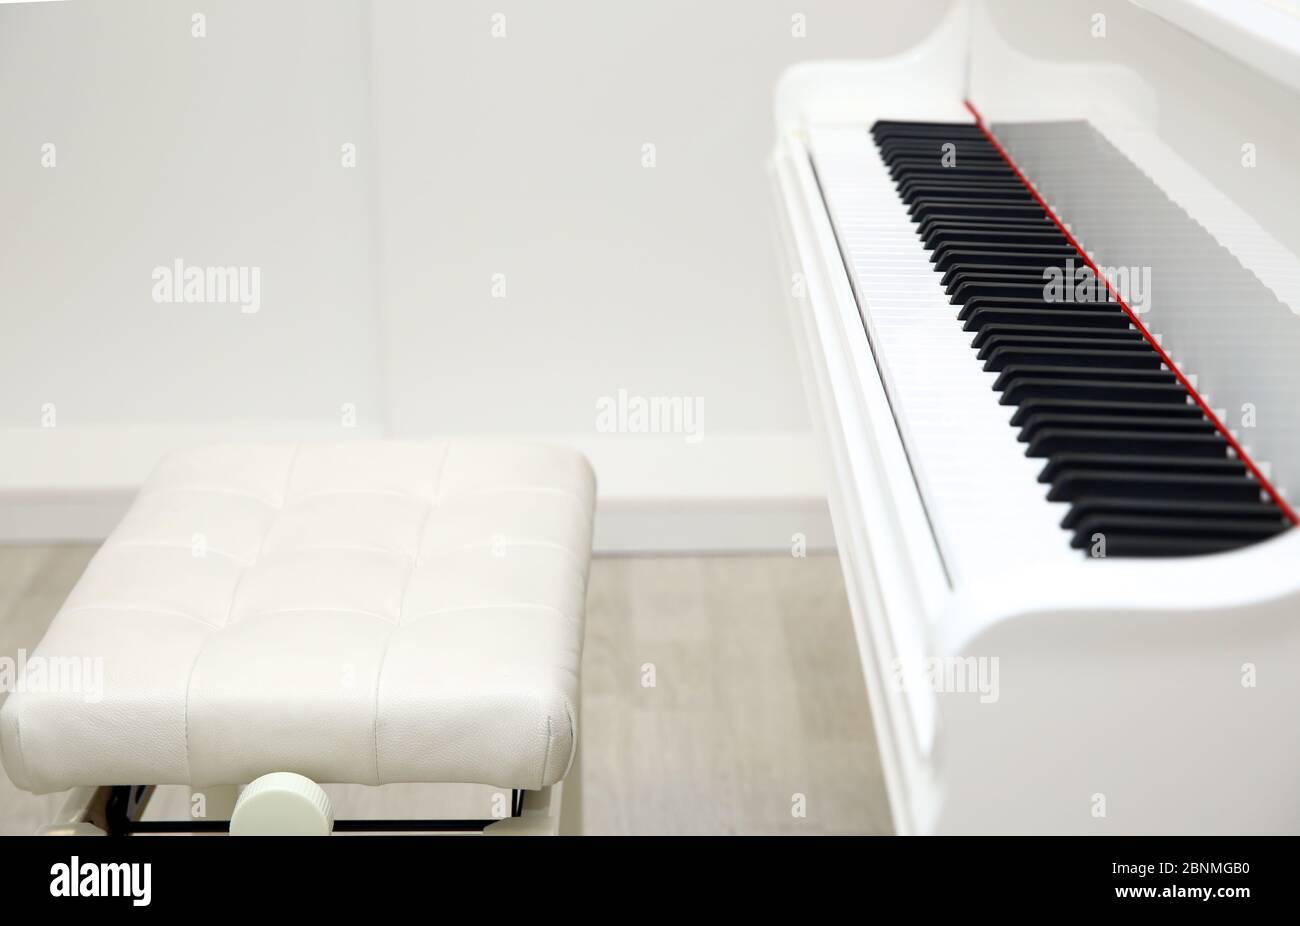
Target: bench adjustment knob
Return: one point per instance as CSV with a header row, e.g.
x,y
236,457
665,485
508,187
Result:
x,y
282,804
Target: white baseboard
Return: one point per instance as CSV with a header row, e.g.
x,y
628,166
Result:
x,y
694,528
61,515
741,493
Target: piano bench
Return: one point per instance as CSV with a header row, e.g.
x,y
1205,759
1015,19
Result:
x,y
360,612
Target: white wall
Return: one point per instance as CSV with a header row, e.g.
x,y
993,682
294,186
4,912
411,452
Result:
x,y
522,155
519,155
220,150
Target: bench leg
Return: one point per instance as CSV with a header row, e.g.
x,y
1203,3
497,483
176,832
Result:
x,y
553,811
540,816
571,806
74,818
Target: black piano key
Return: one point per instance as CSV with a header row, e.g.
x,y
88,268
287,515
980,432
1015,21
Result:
x,y
1019,271
1144,545
911,179
1051,442
935,150
918,160
931,156
1261,511
1038,260
961,140
975,170
941,232
1150,523
1038,224
1017,223
1011,274
997,273
991,333
1047,317
1056,421
954,134
994,291
903,169
1182,410
1137,484
1079,357
990,344
1003,273
1228,531
963,147
975,303
1091,390
1015,372
912,190
975,208
977,254
885,127
1061,465
933,153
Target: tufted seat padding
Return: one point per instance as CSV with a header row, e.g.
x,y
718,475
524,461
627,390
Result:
x,y
364,612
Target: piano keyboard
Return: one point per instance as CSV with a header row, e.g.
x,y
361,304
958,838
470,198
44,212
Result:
x,y
978,488
1138,462
1105,423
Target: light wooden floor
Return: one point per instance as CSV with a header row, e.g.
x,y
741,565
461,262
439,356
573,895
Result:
x,y
716,690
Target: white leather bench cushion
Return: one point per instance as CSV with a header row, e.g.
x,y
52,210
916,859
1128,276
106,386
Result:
x,y
364,612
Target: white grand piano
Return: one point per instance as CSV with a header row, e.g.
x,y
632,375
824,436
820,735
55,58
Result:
x,y
1066,522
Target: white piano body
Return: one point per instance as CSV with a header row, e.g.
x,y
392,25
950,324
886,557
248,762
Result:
x,y
1017,685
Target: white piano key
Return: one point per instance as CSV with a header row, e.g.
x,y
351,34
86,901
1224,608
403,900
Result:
x,y
981,492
